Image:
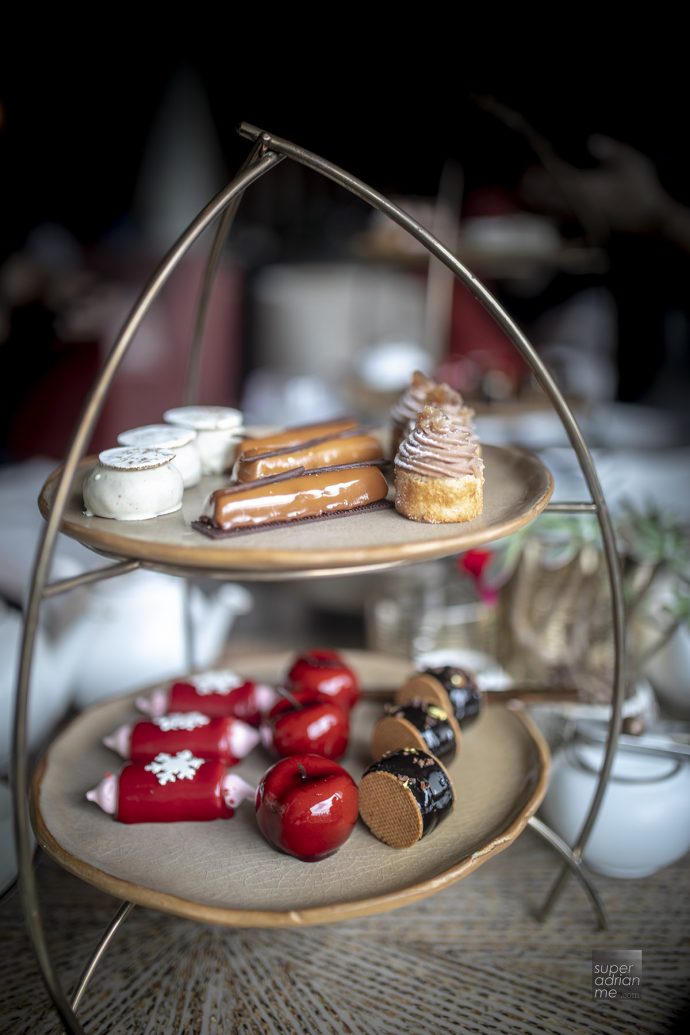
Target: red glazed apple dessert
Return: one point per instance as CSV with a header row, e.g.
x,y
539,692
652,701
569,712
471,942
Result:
x,y
306,724
306,806
326,672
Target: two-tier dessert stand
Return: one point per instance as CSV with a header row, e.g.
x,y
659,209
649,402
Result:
x,y
518,488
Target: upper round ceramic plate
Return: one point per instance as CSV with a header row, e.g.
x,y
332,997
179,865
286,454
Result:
x,y
224,872
517,488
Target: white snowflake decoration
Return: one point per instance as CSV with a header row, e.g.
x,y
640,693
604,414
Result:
x,y
169,768
181,721
221,682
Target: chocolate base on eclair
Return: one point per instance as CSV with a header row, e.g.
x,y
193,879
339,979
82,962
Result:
x,y
416,725
404,796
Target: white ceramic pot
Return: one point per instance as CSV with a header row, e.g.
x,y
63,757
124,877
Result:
x,y
644,821
669,672
132,632
50,689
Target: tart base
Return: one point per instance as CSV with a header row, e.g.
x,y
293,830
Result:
x,y
438,500
390,811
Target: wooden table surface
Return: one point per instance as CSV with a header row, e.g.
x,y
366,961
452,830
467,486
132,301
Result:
x,y
470,959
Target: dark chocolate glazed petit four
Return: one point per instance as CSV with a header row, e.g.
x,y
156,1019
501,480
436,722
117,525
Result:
x,y
451,688
404,796
416,725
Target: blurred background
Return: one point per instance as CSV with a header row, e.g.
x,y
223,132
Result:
x,y
569,203
576,234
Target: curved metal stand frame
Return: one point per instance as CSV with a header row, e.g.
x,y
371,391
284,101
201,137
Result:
x,y
268,151
574,863
108,935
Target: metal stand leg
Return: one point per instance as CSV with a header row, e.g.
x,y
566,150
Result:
x,y
87,973
574,865
189,652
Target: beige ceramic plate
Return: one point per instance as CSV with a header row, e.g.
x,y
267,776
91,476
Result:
x,y
517,489
224,872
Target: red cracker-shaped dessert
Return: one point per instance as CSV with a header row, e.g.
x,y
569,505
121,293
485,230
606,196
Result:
x,y
224,738
212,693
171,789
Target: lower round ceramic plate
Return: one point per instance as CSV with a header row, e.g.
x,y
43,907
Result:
x,y
224,872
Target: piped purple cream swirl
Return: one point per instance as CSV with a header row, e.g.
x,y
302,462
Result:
x,y
441,445
421,392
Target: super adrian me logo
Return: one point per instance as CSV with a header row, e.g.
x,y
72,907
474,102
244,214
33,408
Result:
x,y
616,973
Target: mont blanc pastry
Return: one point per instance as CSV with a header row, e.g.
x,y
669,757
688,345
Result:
x,y
225,739
166,436
439,475
171,789
218,430
131,483
421,392
404,796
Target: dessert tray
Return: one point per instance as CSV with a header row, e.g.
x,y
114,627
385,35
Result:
x,y
517,488
224,872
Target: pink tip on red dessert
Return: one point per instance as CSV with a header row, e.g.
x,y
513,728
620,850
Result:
x,y
105,794
235,790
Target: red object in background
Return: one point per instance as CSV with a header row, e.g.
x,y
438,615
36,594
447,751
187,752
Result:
x,y
317,726
307,806
474,563
325,672
481,361
478,348
152,793
151,376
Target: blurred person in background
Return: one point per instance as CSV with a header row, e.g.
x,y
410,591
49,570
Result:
x,y
646,232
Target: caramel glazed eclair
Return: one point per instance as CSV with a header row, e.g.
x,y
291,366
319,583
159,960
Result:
x,y
293,496
297,435
439,475
349,446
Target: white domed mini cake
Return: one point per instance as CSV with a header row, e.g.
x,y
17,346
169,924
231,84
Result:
x,y
439,475
133,484
218,429
168,436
